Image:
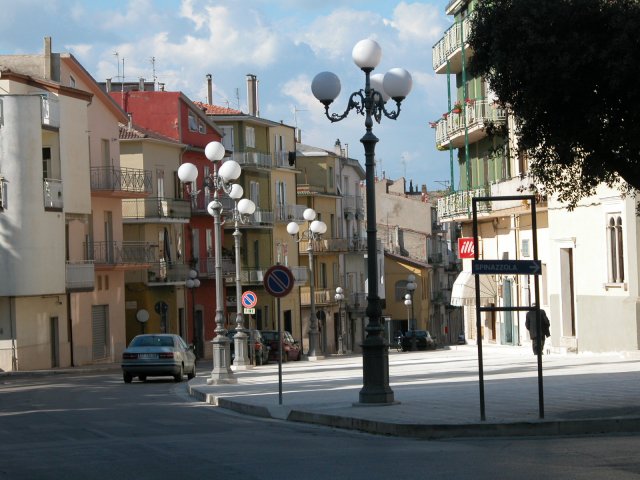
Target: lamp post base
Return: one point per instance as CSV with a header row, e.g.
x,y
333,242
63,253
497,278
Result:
x,y
375,372
241,360
221,373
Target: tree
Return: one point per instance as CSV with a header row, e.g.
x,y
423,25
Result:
x,y
568,70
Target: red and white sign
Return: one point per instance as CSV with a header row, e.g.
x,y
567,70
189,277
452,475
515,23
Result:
x,y
465,248
249,299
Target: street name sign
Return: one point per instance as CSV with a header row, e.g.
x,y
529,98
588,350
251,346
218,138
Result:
x,y
506,267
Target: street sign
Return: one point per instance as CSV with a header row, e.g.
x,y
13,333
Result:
x,y
465,247
249,311
278,281
506,267
249,299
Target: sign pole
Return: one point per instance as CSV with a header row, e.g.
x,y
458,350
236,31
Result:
x,y
279,351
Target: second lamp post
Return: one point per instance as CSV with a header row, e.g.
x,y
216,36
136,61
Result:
x,y
313,232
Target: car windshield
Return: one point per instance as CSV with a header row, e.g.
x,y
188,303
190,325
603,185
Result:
x,y
152,341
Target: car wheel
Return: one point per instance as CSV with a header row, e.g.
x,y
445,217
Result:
x,y
143,378
192,373
178,377
127,377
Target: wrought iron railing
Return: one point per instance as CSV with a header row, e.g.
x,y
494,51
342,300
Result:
x,y
155,208
133,180
459,203
121,253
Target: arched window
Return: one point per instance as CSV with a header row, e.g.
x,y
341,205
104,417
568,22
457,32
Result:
x,y
615,253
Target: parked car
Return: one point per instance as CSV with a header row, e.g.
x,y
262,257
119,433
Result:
x,y
156,355
423,339
259,354
290,347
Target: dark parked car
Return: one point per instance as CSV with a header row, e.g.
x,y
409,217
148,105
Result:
x,y
423,340
290,347
259,354
156,355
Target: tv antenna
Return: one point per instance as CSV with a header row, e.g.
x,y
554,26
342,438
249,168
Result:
x,y
295,115
444,183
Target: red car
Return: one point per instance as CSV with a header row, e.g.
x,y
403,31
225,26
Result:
x,y
290,347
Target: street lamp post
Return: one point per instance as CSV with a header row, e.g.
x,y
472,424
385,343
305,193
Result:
x,y
192,283
315,229
219,180
243,208
339,296
411,286
370,102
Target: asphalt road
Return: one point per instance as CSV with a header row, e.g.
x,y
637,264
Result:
x,y
93,426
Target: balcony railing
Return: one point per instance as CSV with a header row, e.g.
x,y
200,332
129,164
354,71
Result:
x,y
52,190
113,179
289,213
326,245
322,296
261,217
80,276
254,159
452,41
452,129
207,267
459,203
50,110
154,209
167,272
121,253
281,159
357,244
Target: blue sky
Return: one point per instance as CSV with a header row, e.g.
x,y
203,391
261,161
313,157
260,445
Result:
x,y
284,42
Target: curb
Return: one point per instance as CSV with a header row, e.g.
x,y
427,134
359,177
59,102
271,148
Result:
x,y
434,431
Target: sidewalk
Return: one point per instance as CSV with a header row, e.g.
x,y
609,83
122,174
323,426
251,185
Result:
x,y
437,393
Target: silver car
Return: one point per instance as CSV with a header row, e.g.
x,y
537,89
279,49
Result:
x,y
155,355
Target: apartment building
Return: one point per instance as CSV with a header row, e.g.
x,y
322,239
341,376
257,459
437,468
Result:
x,y
476,132
62,294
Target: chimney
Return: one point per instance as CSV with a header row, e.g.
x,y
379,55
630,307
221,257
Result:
x,y
252,95
130,122
108,85
299,135
141,84
337,148
47,59
209,90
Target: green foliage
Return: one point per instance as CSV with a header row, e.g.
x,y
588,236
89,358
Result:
x,y
568,71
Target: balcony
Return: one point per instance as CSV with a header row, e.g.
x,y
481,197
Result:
x,y
253,159
121,254
207,267
300,275
449,47
289,213
515,186
357,244
281,160
167,273
326,245
52,190
322,296
50,111
80,276
156,210
121,182
353,206
450,131
458,204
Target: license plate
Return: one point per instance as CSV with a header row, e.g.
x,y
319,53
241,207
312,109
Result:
x,y
147,356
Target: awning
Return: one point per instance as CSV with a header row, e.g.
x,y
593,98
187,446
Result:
x,y
463,292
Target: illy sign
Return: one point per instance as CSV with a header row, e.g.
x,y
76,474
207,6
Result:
x,y
465,248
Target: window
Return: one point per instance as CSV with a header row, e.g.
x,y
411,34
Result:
x,y
193,123
227,138
72,81
201,127
46,162
250,137
615,253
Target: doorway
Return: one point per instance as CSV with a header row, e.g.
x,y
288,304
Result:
x,y
567,293
55,342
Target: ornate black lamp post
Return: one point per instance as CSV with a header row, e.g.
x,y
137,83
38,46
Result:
x,y
370,102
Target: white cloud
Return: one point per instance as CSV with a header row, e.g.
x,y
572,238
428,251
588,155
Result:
x,y
80,50
416,22
334,34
